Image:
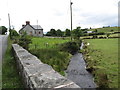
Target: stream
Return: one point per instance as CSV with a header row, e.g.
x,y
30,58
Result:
x,y
77,72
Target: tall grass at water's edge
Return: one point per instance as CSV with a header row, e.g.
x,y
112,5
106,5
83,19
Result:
x,y
46,49
54,51
10,76
102,57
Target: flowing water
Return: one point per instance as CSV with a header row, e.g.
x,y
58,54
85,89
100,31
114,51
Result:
x,y
77,72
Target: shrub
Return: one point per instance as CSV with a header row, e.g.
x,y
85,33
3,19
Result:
x,y
95,36
99,33
58,60
13,34
24,41
71,47
103,81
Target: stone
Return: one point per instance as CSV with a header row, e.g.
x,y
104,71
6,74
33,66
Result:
x,y
37,74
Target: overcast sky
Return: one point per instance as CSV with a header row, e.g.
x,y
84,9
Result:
x,y
56,13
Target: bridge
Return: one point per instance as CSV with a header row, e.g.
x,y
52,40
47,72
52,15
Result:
x,y
36,74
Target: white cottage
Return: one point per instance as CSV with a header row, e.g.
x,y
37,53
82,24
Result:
x,y
33,30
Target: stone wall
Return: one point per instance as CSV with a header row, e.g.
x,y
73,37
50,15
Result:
x,y
37,74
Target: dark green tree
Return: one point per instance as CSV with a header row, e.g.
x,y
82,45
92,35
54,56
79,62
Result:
x,y
13,33
48,33
3,30
108,34
25,40
67,32
53,32
59,33
95,30
76,33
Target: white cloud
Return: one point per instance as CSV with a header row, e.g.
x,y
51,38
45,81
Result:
x,y
56,13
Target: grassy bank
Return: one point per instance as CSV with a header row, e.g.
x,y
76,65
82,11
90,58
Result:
x,y
106,29
102,55
46,49
10,77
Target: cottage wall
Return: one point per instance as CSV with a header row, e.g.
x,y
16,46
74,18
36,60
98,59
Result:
x,y
30,31
38,33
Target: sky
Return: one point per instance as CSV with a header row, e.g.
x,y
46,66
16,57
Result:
x,y
56,13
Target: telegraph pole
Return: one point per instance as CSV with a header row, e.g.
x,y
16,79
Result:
x,y
9,25
37,24
9,21
71,16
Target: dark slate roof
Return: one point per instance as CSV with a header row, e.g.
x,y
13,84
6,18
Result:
x,y
36,26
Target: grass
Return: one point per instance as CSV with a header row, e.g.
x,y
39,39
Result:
x,y
103,55
46,49
107,29
47,42
10,77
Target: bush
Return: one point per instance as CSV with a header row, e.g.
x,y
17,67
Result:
x,y
13,34
99,33
58,60
71,47
103,81
95,36
24,41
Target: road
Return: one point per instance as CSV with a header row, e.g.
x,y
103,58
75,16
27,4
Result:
x,y
3,47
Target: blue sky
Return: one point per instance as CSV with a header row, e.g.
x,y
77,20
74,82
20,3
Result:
x,y
56,13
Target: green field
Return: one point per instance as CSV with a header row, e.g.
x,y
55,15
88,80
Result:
x,y
107,29
103,55
47,50
47,42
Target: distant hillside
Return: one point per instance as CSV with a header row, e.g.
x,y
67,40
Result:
x,y
106,29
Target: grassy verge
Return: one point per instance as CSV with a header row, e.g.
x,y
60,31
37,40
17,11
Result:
x,y
46,49
102,57
10,77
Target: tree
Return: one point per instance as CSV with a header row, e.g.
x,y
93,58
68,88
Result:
x,y
59,33
108,34
48,34
96,31
25,40
76,33
67,32
3,30
53,32
14,33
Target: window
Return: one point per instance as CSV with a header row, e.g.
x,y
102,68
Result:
x,y
39,32
31,32
35,32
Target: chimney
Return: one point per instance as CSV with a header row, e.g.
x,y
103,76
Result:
x,y
23,25
27,22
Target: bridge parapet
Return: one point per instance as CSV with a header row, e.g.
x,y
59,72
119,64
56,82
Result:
x,y
37,74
